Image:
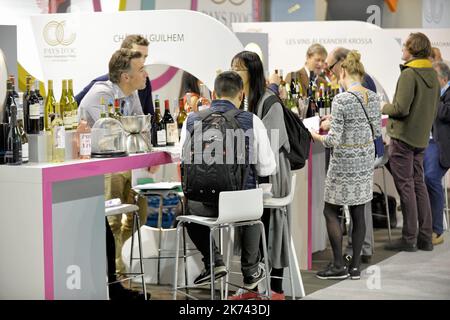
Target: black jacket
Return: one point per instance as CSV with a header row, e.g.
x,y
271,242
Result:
x,y
441,129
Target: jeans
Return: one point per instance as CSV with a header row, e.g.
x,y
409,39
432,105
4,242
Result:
x,y
434,173
406,166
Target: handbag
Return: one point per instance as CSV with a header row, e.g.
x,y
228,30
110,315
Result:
x,y
377,141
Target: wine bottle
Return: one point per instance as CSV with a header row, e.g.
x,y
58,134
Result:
x,y
21,126
58,136
321,101
182,115
41,104
73,105
171,126
158,129
328,99
311,112
34,112
49,108
13,154
117,113
26,106
82,137
65,107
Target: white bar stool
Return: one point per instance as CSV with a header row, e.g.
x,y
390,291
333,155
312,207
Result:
x,y
124,209
236,208
282,204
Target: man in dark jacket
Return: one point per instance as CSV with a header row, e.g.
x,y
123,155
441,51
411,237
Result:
x,y
437,155
411,116
134,42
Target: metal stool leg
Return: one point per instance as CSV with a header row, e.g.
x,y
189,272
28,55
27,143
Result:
x,y
230,247
175,277
211,261
387,204
133,231
161,199
141,261
287,239
266,260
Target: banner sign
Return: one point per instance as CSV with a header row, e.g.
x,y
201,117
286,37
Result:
x,y
79,45
289,41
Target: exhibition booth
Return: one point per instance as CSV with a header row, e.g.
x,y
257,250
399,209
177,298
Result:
x,y
53,214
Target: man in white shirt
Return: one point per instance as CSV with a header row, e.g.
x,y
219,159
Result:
x,y
127,75
228,95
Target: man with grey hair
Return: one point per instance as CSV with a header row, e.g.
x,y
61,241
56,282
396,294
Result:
x,y
126,76
437,155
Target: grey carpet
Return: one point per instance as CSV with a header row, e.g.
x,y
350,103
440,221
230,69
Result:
x,y
417,275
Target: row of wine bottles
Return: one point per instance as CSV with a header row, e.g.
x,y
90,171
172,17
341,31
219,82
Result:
x,y
165,131
317,100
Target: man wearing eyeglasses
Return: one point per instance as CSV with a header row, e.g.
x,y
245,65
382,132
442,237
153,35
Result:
x,y
333,69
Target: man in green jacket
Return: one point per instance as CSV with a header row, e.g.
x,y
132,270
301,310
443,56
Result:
x,y
411,116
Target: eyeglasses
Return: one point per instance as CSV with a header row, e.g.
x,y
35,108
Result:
x,y
238,70
330,68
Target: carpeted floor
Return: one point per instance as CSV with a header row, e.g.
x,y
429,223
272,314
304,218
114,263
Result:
x,y
417,275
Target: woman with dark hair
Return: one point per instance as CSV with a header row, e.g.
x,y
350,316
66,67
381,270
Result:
x,y
191,92
249,66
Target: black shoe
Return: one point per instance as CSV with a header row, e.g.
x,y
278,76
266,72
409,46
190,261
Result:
x,y
205,276
366,259
333,273
251,282
354,273
118,292
400,245
347,260
425,245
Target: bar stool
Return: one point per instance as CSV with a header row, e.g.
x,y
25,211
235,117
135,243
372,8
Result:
x,y
248,212
124,209
162,193
381,164
282,204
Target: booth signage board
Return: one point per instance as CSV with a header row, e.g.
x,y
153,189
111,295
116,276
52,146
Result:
x,y
289,41
439,38
225,11
79,45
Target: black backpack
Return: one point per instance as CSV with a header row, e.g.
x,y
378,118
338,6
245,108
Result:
x,y
204,181
299,136
379,217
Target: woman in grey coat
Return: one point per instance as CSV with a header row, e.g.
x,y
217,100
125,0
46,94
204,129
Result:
x,y
350,175
250,68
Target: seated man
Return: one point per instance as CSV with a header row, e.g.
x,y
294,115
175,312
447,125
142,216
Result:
x,y
227,95
133,42
127,75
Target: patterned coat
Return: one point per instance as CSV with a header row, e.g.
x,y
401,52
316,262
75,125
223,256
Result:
x,y
350,175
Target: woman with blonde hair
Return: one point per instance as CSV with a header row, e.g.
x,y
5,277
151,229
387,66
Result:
x,y
356,121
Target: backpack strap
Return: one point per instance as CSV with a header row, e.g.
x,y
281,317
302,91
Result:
x,y
231,117
271,100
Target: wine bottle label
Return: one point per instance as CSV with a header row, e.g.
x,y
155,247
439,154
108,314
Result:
x,y
327,111
35,111
322,112
41,109
59,137
67,121
161,137
25,152
172,133
85,144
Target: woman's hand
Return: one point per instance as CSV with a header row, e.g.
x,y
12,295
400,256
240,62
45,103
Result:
x,y
325,122
316,136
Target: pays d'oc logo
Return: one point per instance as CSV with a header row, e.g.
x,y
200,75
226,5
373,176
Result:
x,y
235,2
54,34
